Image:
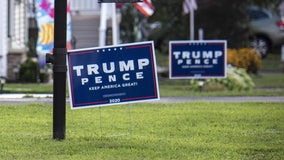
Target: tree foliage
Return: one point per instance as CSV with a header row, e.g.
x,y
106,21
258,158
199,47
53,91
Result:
x,y
220,19
223,19
227,19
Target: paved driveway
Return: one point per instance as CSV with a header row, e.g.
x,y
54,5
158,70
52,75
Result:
x,y
47,98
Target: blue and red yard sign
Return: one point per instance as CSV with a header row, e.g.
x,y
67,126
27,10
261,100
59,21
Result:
x,y
198,59
112,75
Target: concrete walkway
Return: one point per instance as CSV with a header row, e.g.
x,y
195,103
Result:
x,y
278,99
47,98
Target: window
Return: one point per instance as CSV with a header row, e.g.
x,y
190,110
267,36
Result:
x,y
257,14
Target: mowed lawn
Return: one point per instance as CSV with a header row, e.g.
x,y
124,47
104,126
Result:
x,y
197,130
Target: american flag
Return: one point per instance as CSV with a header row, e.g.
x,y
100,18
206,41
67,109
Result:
x,y
188,4
145,7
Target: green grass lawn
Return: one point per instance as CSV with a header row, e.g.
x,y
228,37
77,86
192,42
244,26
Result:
x,y
266,85
269,81
198,130
272,63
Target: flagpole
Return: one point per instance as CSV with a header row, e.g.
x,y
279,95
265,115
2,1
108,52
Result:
x,y
114,25
191,20
103,24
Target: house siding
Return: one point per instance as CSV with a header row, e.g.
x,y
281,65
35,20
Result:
x,y
17,37
3,38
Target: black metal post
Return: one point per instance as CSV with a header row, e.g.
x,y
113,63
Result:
x,y
59,70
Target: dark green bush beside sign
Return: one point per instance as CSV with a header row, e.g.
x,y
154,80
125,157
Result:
x,y
119,1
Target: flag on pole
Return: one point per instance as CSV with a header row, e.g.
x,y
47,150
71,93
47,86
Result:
x,y
188,5
45,24
145,7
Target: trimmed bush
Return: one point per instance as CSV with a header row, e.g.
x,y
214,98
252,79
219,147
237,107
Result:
x,y
29,71
237,79
246,58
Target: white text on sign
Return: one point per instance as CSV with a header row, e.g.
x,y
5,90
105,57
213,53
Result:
x,y
110,68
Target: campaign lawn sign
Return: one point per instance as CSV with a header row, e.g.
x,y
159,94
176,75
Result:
x,y
197,59
112,75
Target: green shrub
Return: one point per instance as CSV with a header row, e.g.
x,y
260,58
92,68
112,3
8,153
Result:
x,y
237,79
43,77
29,71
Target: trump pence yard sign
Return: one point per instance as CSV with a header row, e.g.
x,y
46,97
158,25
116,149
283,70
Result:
x,y
198,59
112,75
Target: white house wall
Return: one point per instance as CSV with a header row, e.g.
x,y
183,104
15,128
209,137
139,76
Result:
x,y
17,33
3,38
